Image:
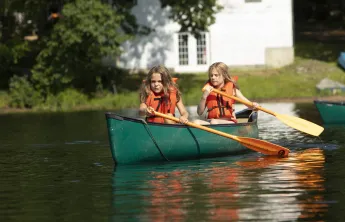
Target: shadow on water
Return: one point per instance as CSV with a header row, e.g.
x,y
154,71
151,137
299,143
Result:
x,y
334,132
231,188
309,112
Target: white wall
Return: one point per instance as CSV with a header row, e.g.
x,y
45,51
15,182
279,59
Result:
x,y
243,31
240,36
156,48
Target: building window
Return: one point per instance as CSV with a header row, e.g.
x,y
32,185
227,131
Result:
x,y
183,49
252,1
201,49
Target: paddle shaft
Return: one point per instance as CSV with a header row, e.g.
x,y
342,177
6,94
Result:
x,y
243,101
199,126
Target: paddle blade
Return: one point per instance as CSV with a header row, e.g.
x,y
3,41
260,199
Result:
x,y
301,124
264,147
295,122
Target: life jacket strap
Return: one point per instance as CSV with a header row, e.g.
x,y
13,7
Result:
x,y
159,102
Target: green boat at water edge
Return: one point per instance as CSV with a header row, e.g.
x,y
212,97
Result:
x,y
331,112
133,140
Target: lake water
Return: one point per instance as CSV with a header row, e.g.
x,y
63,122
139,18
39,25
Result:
x,y
58,167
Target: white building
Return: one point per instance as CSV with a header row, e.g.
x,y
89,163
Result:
x,y
246,33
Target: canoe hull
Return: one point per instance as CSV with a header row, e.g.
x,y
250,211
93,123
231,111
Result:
x,y
133,140
331,112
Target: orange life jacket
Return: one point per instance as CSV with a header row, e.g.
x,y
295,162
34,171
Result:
x,y
161,104
219,106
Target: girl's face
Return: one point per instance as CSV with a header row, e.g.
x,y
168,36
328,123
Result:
x,y
156,83
216,79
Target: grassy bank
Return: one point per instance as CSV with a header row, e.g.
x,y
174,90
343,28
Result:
x,y
313,62
295,81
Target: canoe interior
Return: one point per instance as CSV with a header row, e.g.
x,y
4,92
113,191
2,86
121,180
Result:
x,y
132,140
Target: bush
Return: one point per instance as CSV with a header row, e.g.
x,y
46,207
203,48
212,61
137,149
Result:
x,y
4,99
70,98
22,93
118,101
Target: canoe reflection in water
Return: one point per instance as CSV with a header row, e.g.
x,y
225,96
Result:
x,y
256,188
169,190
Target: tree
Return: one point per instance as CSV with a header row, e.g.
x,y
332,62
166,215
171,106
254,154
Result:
x,y
87,32
193,16
78,42
73,40
20,21
319,10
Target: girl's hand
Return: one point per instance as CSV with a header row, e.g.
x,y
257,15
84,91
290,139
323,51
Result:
x,y
207,91
255,106
183,120
150,111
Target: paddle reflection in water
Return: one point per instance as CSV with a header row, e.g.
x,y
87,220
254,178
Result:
x,y
255,188
289,189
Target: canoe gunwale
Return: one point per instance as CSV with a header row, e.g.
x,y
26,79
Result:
x,y
246,113
329,102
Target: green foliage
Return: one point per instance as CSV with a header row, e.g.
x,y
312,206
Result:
x,y
316,10
70,98
129,25
70,49
323,51
118,101
193,16
88,31
4,99
22,93
6,61
10,54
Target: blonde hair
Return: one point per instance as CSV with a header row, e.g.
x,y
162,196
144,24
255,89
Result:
x,y
168,83
222,69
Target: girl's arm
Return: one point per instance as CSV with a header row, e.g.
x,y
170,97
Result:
x,y
183,112
201,107
241,96
142,109
202,103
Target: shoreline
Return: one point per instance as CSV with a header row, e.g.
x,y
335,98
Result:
x,y
303,99
338,98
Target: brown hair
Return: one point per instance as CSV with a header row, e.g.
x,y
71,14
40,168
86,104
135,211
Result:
x,y
222,69
168,83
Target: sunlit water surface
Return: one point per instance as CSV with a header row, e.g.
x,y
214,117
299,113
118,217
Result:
x,y
58,167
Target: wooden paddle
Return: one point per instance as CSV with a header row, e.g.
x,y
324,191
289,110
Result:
x,y
254,144
295,122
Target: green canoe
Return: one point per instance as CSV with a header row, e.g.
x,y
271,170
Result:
x,y
133,140
331,112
